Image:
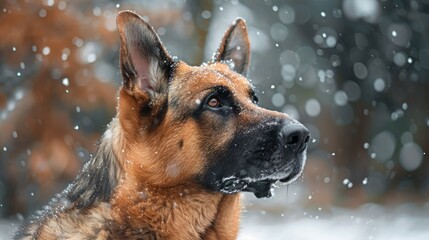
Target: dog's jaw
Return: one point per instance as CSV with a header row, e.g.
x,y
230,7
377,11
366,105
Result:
x,y
261,184
264,188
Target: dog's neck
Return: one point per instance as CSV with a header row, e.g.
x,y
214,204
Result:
x,y
179,212
100,176
182,212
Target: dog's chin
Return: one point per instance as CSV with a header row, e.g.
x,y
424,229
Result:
x,y
259,178
263,188
261,185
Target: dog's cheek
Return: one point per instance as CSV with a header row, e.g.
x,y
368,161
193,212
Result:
x,y
215,147
181,158
215,130
194,149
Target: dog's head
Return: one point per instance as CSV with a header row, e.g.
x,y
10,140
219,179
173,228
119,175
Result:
x,y
201,124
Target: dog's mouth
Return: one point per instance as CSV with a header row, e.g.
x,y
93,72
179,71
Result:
x,y
261,187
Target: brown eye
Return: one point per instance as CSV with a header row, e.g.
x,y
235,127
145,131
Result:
x,y
213,102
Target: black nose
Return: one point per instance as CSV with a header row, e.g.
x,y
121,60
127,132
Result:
x,y
295,136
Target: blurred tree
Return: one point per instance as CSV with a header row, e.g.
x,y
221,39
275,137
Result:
x,y
53,95
58,81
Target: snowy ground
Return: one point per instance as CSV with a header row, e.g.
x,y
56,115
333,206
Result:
x,y
370,222
285,217
277,219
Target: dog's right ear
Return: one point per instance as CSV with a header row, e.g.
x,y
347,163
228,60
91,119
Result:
x,y
145,64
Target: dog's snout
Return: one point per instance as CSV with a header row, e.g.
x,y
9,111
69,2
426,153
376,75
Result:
x,y
295,137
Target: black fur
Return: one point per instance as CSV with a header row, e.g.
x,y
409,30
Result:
x,y
256,152
97,179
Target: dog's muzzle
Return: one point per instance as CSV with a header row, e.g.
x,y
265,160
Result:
x,y
293,137
259,156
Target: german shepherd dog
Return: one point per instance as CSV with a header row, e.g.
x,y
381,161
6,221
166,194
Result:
x,y
186,140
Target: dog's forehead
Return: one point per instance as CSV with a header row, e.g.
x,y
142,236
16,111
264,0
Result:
x,y
195,79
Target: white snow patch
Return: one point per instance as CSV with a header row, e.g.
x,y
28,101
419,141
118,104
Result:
x,y
368,222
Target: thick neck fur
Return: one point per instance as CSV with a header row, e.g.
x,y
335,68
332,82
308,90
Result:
x,y
179,212
182,212
100,175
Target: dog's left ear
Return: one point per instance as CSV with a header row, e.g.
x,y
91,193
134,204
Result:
x,y
145,64
235,47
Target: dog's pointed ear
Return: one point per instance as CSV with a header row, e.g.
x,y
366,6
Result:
x,y
144,62
235,47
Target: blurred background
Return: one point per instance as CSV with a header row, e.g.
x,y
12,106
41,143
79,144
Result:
x,y
355,72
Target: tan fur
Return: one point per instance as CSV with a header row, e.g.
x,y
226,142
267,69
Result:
x,y
64,225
